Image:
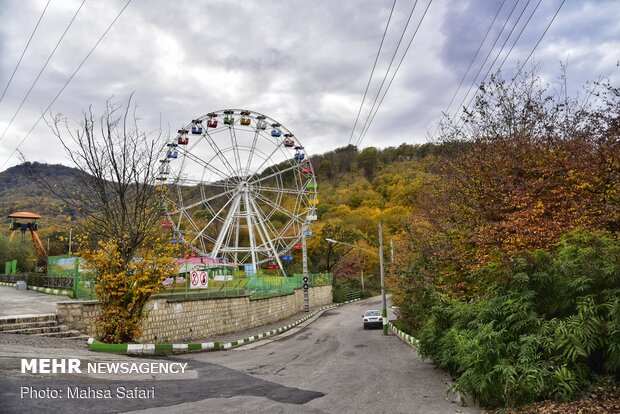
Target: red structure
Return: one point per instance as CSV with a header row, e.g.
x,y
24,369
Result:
x,y
24,221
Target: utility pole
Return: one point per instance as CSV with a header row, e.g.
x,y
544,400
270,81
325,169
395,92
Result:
x,y
70,229
362,278
391,251
304,260
385,326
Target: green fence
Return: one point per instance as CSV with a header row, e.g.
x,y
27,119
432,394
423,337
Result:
x,y
10,268
70,266
240,284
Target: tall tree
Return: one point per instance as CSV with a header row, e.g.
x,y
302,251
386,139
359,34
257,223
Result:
x,y
118,163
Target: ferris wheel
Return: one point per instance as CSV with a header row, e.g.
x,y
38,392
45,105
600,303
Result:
x,y
237,186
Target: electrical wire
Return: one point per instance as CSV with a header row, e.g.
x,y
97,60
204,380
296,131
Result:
x,y
471,63
41,71
24,51
394,75
539,40
486,75
372,72
66,83
520,33
387,72
474,82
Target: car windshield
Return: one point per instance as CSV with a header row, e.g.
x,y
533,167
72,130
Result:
x,y
372,313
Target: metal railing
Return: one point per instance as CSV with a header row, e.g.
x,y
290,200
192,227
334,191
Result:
x,y
355,294
41,280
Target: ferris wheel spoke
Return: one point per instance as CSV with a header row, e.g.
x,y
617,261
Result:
x,y
282,190
279,208
252,149
235,148
269,157
196,228
207,206
202,183
203,201
275,174
219,153
189,219
205,164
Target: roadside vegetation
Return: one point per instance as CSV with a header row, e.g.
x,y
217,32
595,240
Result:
x,y
510,272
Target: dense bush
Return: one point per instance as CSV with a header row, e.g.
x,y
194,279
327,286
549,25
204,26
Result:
x,y
548,331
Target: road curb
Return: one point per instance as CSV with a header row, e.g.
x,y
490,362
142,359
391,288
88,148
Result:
x,y
49,291
161,349
408,339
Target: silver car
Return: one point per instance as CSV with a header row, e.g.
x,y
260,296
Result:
x,y
372,318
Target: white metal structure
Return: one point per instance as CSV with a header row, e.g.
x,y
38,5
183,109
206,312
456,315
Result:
x,y
237,186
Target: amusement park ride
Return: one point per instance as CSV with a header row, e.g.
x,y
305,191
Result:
x,y
24,221
237,187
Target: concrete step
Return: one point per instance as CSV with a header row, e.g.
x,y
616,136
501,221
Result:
x,y
69,334
26,325
80,336
33,331
9,320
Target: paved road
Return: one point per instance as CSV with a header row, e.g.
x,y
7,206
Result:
x,y
330,366
27,302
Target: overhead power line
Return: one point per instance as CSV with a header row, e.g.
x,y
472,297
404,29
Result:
x,y
387,72
520,33
486,75
474,82
394,75
372,71
447,111
539,40
66,83
41,71
24,51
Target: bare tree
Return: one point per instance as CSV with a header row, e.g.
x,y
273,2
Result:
x,y
118,165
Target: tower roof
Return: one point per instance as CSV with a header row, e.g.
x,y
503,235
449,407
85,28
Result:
x,y
24,215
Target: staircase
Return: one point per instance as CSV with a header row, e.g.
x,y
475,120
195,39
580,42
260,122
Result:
x,y
39,325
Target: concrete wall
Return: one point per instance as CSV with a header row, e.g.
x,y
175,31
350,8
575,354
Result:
x,y
175,321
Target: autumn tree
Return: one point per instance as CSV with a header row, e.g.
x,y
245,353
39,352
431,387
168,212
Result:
x,y
521,168
118,164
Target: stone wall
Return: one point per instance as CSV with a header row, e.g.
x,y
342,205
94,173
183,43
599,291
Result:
x,y
78,315
184,320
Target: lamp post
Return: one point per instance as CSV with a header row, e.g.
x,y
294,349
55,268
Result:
x,y
380,254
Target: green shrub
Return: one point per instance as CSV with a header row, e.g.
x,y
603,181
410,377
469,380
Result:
x,y
547,332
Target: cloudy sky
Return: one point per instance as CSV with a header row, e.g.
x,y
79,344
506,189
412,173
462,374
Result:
x,y
303,63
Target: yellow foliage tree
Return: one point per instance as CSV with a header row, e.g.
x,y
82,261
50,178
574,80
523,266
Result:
x,y
123,288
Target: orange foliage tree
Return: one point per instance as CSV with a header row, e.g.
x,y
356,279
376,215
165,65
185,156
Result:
x,y
520,169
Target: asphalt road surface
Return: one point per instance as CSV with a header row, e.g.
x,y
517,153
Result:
x,y
332,365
